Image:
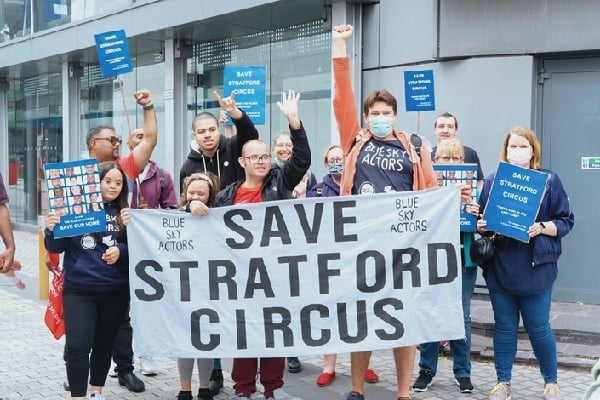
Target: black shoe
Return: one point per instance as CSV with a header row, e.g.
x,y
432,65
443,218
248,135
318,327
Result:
x,y
216,381
294,365
423,382
204,394
132,382
185,395
464,384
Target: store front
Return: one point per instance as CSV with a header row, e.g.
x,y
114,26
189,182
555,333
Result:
x,y
50,113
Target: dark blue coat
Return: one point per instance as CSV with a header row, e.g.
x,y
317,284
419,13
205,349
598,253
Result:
x,y
529,268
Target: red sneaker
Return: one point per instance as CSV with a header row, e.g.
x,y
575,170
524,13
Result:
x,y
371,376
325,378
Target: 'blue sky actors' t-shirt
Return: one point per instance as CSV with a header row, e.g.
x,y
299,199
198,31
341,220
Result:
x,y
383,166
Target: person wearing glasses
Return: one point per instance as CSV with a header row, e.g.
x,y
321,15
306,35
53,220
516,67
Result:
x,y
104,145
330,187
451,151
263,183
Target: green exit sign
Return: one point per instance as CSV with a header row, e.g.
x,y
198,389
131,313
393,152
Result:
x,y
590,162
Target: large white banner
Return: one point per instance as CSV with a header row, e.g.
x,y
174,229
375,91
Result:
x,y
297,277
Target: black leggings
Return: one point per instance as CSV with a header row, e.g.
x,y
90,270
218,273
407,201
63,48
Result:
x,y
91,323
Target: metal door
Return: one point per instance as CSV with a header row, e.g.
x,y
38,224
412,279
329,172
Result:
x,y
570,130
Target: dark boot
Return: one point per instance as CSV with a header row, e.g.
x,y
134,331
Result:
x,y
216,381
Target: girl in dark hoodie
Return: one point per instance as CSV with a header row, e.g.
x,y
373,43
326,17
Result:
x,y
96,287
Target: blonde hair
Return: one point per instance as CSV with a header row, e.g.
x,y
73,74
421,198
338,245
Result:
x,y
450,146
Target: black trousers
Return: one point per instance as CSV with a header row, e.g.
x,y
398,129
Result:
x,y
91,321
122,353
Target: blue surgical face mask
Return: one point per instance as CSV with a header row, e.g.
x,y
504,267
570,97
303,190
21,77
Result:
x,y
381,126
279,162
335,170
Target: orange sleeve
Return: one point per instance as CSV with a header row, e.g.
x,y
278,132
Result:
x,y
128,164
344,103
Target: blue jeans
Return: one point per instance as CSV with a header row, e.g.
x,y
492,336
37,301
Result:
x,y
461,348
535,311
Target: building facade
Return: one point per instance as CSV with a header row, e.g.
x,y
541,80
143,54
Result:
x,y
496,65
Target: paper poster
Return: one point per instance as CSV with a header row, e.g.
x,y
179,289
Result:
x,y
514,200
74,194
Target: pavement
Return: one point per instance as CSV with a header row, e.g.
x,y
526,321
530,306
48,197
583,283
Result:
x,y
31,365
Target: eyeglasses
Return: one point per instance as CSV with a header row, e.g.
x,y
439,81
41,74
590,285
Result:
x,y
113,140
255,158
449,158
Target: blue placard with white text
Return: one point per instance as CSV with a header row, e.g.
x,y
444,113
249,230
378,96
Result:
x,y
514,200
249,85
74,194
113,53
459,175
419,94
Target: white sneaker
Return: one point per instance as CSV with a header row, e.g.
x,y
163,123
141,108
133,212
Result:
x,y
148,367
278,394
112,372
96,396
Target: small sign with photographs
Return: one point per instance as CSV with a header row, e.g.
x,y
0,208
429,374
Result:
x,y
74,194
459,175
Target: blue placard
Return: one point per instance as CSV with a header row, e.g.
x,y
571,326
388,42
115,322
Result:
x,y
249,85
418,90
113,53
514,200
74,194
459,175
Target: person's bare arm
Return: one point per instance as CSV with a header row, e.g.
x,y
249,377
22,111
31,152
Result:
x,y
8,256
143,151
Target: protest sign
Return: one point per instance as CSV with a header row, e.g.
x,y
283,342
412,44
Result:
x,y
113,53
310,276
514,200
418,90
249,85
458,175
74,194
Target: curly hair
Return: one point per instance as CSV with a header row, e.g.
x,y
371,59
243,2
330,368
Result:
x,y
213,187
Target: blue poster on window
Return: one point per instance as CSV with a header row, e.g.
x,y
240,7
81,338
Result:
x,y
418,90
74,194
514,200
459,175
249,85
113,53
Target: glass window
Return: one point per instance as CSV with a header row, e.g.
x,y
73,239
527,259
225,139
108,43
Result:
x,y
14,19
296,57
105,102
35,138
